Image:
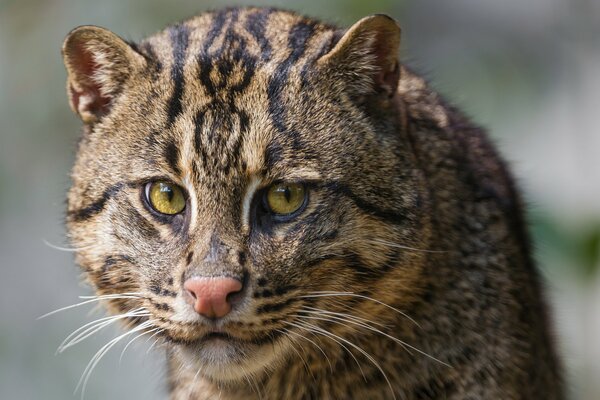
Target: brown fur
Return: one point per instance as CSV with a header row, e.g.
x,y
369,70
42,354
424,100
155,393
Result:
x,y
409,207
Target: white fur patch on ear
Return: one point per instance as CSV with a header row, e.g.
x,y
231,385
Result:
x,y
367,55
98,62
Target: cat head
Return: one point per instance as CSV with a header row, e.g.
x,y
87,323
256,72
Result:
x,y
240,172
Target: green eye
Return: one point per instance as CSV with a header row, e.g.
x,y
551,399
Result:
x,y
286,198
165,198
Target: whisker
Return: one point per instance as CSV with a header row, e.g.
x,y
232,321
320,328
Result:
x,y
400,246
340,321
402,343
91,300
326,334
292,341
93,327
311,341
342,315
98,356
360,296
363,352
153,343
70,249
252,383
134,339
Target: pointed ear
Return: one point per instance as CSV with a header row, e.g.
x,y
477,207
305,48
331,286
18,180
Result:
x,y
98,63
367,56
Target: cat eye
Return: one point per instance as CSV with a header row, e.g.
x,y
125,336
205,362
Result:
x,y
165,197
284,199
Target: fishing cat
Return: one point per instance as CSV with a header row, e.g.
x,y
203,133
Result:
x,y
297,215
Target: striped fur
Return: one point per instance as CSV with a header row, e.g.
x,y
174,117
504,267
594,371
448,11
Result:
x,y
409,207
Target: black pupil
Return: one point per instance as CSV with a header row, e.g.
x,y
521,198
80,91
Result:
x,y
287,193
168,191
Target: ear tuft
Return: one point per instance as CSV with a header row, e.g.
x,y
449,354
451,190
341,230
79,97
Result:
x,y
367,55
98,62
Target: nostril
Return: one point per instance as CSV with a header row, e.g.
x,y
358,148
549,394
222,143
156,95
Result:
x,y
211,297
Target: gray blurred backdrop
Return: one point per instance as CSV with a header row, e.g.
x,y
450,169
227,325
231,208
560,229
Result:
x,y
528,70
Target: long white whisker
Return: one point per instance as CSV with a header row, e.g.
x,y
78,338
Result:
x,y
153,343
341,321
98,356
342,315
302,358
363,352
91,328
399,246
91,300
326,334
405,345
134,339
360,296
71,249
313,342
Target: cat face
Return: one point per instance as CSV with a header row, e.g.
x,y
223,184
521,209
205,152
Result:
x,y
238,172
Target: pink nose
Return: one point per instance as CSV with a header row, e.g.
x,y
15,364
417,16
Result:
x,y
209,295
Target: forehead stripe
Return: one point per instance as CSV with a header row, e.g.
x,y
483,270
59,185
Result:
x,y
179,35
172,154
298,38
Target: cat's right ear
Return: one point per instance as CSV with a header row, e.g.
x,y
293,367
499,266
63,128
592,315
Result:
x,y
98,63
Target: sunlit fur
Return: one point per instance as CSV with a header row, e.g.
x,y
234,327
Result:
x,y
407,275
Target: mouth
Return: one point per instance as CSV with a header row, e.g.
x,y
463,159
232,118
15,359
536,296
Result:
x,y
219,354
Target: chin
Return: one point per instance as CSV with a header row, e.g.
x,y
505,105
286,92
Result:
x,y
225,359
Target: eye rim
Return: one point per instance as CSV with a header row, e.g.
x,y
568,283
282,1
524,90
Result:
x,y
148,203
290,216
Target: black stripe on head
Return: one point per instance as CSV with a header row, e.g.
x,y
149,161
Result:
x,y
97,206
150,55
256,25
298,38
179,35
204,59
172,156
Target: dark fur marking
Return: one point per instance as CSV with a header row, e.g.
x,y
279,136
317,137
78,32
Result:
x,y
111,261
155,288
256,25
97,206
298,38
204,59
189,259
179,36
261,282
161,306
151,57
241,258
396,217
168,293
267,308
172,156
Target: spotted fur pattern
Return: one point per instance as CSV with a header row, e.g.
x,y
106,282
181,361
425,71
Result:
x,y
407,276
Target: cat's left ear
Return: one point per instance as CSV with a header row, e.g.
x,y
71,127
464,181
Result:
x,y
366,56
98,63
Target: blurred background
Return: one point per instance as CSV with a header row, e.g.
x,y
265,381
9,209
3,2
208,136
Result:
x,y
527,70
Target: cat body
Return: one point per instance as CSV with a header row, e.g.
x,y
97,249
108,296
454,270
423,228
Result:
x,y
299,216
